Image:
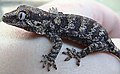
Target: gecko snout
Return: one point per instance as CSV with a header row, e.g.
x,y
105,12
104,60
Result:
x,y
6,18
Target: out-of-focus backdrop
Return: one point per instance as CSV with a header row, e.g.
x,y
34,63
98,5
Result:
x,y
6,5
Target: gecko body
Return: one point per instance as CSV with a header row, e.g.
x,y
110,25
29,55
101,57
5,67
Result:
x,y
56,26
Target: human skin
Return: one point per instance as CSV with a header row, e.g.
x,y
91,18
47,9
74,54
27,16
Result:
x,y
21,51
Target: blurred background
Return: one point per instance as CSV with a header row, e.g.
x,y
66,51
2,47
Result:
x,y
6,5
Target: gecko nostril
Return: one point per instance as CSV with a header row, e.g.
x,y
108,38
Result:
x,y
3,17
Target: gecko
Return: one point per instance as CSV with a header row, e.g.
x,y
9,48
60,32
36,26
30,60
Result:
x,y
57,26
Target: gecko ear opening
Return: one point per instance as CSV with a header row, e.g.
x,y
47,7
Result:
x,y
21,15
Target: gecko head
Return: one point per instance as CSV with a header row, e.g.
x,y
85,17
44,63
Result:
x,y
26,17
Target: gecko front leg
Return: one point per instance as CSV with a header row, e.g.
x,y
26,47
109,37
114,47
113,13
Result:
x,y
49,60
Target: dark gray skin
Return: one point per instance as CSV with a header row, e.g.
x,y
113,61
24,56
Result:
x,y
56,26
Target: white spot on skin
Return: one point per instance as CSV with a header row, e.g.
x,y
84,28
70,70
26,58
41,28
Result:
x,y
39,14
57,21
96,45
36,22
45,22
71,26
109,40
101,33
52,26
29,22
75,33
82,28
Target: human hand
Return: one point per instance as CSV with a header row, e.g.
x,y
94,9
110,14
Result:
x,y
21,51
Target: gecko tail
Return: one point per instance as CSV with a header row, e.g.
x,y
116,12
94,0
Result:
x,y
116,52
119,53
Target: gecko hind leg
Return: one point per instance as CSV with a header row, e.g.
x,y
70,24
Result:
x,y
95,47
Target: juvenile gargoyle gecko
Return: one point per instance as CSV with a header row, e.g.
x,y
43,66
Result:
x,y
56,26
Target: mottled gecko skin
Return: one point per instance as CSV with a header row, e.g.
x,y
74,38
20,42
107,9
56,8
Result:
x,y
56,26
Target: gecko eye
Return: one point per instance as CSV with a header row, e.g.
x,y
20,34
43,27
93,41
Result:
x,y
21,15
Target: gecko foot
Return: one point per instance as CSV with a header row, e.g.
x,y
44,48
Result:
x,y
72,54
49,62
53,10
